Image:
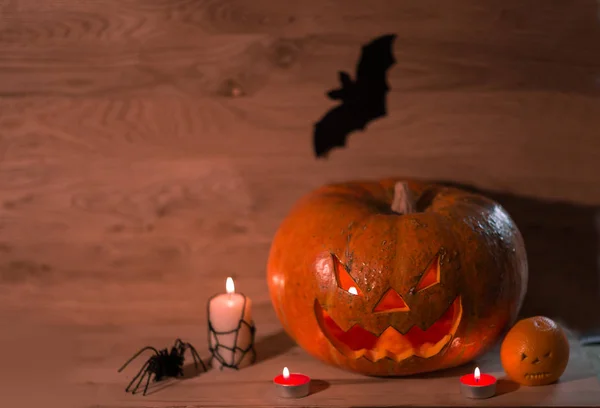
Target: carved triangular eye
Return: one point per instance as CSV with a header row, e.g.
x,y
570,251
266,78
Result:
x,y
344,280
431,276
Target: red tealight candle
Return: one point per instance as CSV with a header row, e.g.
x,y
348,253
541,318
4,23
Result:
x,y
292,385
478,385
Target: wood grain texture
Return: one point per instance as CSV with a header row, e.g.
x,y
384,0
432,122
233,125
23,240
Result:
x,y
87,357
150,148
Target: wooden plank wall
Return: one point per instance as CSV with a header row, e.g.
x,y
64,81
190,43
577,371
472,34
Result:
x,y
149,148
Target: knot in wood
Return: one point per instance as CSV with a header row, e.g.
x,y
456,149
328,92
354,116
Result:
x,y
233,89
284,53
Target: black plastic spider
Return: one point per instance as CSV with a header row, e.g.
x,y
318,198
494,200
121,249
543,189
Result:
x,y
162,364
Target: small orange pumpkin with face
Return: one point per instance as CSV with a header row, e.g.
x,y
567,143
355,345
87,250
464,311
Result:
x,y
535,351
396,278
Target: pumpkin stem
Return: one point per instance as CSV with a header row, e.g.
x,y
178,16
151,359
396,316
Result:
x,y
404,201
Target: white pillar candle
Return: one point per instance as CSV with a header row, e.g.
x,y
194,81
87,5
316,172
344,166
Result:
x,y
225,313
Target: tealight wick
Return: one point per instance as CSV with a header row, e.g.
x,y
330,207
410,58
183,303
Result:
x,y
477,374
286,373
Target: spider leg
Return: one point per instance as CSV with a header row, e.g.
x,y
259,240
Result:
x,y
148,374
142,370
136,355
196,357
147,384
180,346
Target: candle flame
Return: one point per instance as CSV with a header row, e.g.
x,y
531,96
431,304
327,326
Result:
x,y
477,374
229,286
352,290
286,373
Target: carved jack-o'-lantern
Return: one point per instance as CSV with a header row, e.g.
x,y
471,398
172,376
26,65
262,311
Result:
x,y
393,278
535,351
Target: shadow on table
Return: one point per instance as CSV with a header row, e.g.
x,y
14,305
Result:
x,y
506,386
158,386
266,348
190,370
449,372
317,386
273,346
562,246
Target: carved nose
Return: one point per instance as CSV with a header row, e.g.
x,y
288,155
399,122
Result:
x,y
391,302
536,361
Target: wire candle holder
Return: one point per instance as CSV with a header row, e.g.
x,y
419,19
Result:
x,y
241,354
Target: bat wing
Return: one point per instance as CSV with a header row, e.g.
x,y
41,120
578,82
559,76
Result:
x,y
334,128
363,100
376,58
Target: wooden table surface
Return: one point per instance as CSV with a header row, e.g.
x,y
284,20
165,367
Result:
x,y
53,364
150,148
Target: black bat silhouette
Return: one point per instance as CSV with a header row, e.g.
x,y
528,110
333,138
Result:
x,y
363,100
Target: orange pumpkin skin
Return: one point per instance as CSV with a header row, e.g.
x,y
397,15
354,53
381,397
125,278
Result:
x,y
345,235
535,351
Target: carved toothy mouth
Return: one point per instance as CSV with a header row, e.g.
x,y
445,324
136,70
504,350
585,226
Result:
x,y
358,342
537,376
